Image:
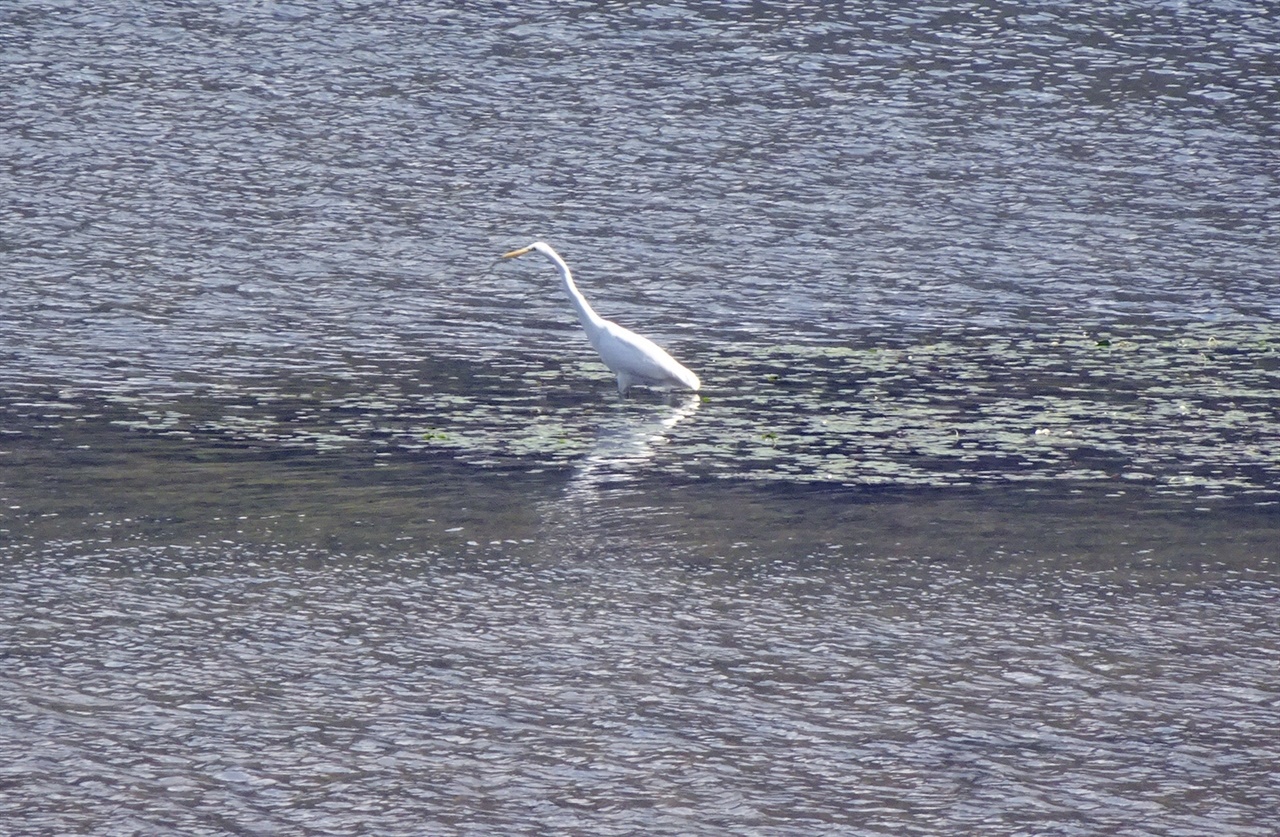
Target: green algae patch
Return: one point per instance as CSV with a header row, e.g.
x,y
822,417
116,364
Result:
x,y
1191,410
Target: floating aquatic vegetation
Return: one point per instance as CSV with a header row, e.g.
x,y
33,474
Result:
x,y
1189,411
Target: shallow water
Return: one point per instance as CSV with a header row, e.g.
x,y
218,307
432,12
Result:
x,y
231,642
315,520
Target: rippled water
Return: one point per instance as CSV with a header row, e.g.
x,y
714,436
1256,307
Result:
x,y
310,645
313,519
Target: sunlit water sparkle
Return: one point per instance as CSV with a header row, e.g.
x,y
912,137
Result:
x,y
314,520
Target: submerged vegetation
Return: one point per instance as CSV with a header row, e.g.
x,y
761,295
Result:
x,y
1194,412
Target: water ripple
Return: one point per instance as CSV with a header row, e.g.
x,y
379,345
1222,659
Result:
x,y
312,520
327,696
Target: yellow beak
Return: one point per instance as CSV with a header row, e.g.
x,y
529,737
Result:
x,y
515,253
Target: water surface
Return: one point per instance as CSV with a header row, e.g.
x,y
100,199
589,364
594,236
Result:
x,y
314,520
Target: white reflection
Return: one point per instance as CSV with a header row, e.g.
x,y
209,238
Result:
x,y
623,452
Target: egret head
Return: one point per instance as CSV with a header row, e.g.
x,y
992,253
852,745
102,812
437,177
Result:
x,y
537,245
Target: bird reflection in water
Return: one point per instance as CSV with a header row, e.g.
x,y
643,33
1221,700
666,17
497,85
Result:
x,y
607,503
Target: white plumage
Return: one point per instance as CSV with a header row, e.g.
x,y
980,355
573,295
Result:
x,y
636,360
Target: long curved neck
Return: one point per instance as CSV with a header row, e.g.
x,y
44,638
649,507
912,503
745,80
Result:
x,y
591,321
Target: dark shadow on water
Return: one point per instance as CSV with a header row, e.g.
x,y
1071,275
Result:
x,y
91,484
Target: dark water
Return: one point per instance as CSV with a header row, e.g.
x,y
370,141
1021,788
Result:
x,y
315,521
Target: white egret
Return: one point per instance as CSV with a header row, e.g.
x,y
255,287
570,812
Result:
x,y
636,360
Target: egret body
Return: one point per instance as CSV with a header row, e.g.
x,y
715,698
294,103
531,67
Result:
x,y
636,360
